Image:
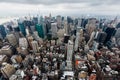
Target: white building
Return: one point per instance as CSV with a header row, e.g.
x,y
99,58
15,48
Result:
x,y
69,50
23,43
69,55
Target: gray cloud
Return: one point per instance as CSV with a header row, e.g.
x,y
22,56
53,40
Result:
x,y
70,7
52,2
46,2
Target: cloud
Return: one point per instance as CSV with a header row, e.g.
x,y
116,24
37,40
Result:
x,y
45,2
67,7
52,2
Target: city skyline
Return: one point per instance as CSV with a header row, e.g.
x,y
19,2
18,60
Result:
x,y
63,7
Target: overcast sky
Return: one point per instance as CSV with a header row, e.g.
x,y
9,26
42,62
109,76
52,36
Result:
x,y
63,7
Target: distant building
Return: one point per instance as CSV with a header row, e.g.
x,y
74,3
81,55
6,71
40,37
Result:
x,y
35,20
12,39
35,46
77,41
59,21
66,26
69,55
79,22
39,29
2,31
22,28
54,29
91,25
69,50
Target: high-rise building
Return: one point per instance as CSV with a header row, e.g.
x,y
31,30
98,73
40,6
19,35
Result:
x,y
77,41
35,20
84,22
47,25
27,23
27,31
91,26
30,39
14,25
8,28
40,19
61,33
12,39
66,26
69,19
39,29
42,22
79,22
35,46
32,28
35,35
1,36
71,29
81,36
54,29
23,43
69,55
22,28
69,50
2,31
59,21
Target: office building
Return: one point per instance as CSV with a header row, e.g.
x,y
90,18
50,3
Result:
x,y
35,46
66,26
69,55
22,28
59,21
27,31
14,25
23,43
2,31
54,29
39,29
79,22
12,39
77,41
69,50
32,28
91,26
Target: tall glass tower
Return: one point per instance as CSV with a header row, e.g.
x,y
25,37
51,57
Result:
x,y
39,29
22,28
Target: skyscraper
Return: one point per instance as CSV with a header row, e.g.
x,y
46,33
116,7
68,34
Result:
x,y
23,43
27,31
69,50
40,19
66,26
22,28
2,31
91,26
12,39
69,55
54,29
59,21
79,22
35,46
42,22
39,29
77,41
